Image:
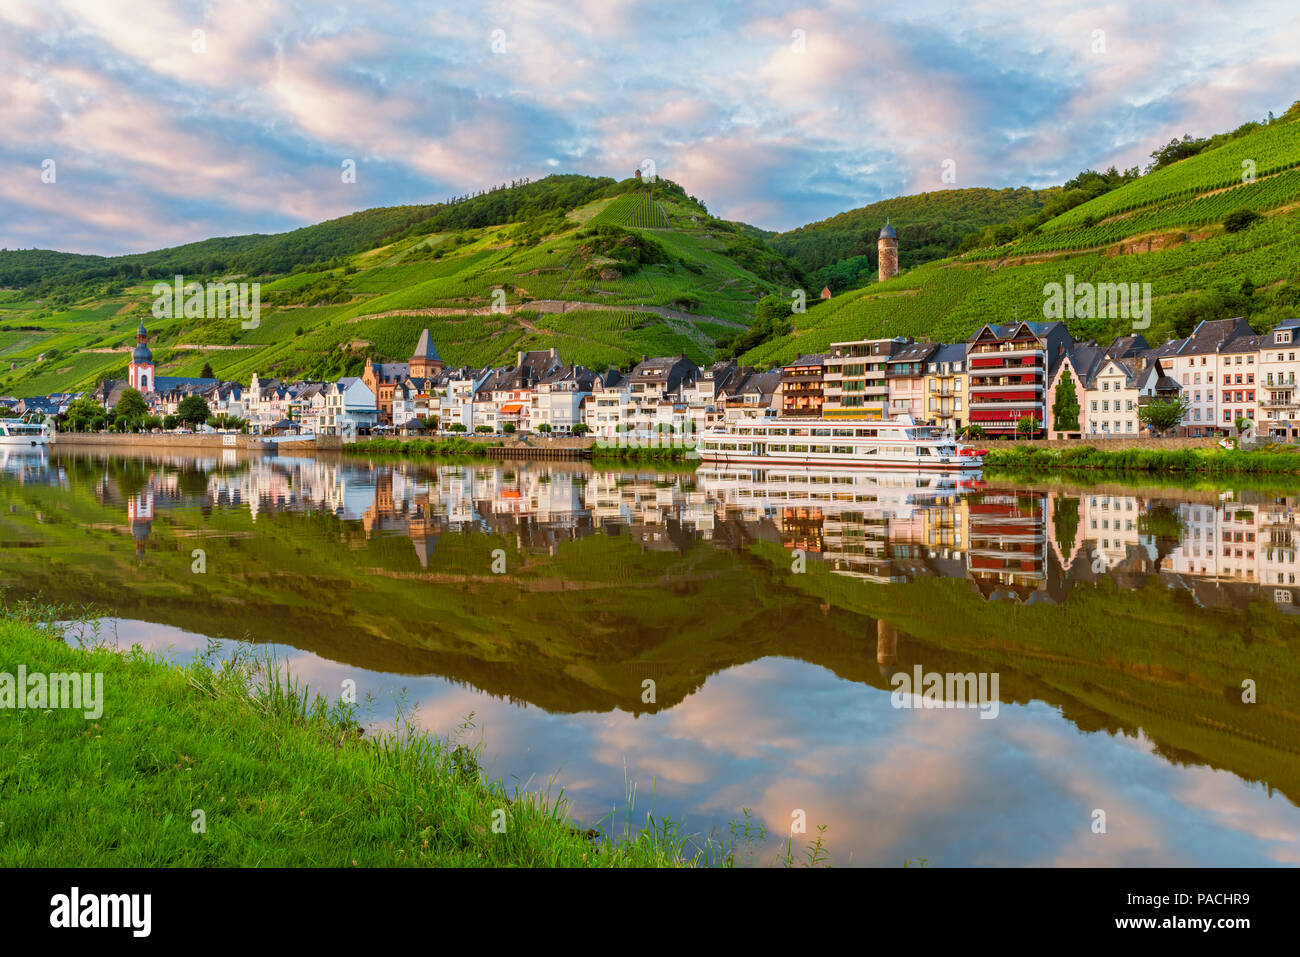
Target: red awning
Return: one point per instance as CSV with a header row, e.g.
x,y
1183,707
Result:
x,y
511,408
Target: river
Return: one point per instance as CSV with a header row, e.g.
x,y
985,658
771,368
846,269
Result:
x,y
1116,662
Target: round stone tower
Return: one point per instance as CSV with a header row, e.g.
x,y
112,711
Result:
x,y
887,248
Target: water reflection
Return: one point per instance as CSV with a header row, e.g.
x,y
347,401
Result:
x,y
1012,543
771,608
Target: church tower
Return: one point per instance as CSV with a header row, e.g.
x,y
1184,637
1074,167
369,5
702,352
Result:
x,y
140,369
426,361
887,250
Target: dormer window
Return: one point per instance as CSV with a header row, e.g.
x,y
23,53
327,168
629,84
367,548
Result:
x,y
1283,336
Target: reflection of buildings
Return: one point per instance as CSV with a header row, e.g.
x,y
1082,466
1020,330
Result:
x,y
139,512
1232,551
1008,543
1018,544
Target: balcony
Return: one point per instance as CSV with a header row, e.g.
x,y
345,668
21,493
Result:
x,y
1007,382
1007,349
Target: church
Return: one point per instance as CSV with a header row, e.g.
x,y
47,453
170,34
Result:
x,y
141,375
385,378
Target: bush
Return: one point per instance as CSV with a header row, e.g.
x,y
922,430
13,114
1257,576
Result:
x,y
1240,219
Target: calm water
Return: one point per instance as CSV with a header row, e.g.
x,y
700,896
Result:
x,y
721,640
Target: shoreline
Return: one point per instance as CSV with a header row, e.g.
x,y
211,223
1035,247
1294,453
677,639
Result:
x,y
213,765
1185,461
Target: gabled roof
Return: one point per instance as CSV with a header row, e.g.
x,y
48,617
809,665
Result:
x,y
1243,344
391,371
1013,330
1211,335
1085,358
1170,348
1126,346
669,370
761,383
174,383
1286,325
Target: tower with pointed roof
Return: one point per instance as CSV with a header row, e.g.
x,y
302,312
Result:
x,y
140,370
425,362
887,250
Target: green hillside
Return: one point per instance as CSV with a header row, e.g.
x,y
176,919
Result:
x,y
591,266
841,251
1165,228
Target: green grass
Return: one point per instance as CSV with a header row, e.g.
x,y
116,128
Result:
x,y
1145,460
283,779
447,446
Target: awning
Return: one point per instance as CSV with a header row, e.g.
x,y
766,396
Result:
x,y
511,408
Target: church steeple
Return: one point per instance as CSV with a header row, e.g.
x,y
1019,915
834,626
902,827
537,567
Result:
x,y
140,369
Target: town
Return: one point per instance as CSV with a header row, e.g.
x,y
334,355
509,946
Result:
x,y
1020,379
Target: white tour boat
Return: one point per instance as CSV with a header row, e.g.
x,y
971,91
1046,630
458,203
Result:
x,y
889,444
18,432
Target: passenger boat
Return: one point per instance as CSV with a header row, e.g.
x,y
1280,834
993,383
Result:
x,y
889,444
18,432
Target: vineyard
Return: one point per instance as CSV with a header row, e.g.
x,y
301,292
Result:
x,y
1273,149
636,210
948,301
324,319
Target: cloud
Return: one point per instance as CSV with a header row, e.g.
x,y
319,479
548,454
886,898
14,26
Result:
x,y
772,115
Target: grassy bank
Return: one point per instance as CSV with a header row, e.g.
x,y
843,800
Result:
x,y
1210,461
635,453
282,779
447,446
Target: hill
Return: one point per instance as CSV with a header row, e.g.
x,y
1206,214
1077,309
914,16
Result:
x,y
605,271
1166,229
840,252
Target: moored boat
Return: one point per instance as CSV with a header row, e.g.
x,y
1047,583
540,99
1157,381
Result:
x,y
889,444
28,434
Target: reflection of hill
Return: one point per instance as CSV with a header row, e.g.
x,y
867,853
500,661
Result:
x,y
581,617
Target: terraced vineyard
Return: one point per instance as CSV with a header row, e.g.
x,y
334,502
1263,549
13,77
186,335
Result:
x,y
1272,149
324,320
1207,273
633,209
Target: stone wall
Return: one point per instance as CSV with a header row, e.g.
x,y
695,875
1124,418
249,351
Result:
x,y
206,443
506,441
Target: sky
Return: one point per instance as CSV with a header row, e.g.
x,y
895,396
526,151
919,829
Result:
x,y
130,126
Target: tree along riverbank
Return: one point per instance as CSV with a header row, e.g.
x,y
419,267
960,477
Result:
x,y
231,764
1269,460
